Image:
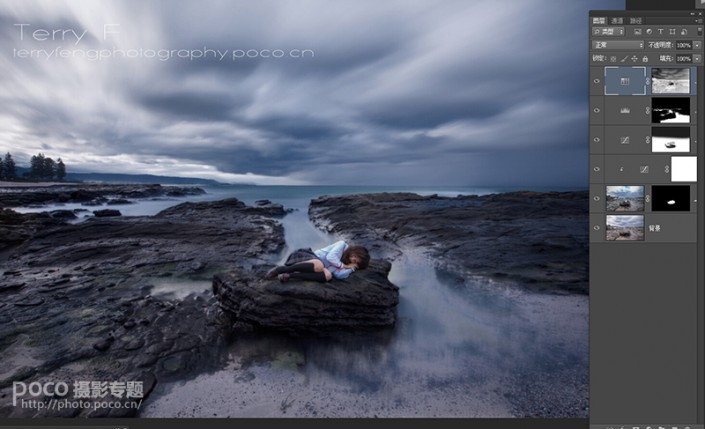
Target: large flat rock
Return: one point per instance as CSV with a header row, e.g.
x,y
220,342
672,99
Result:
x,y
366,300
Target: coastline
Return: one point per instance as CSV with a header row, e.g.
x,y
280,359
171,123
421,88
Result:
x,y
5,184
543,360
89,194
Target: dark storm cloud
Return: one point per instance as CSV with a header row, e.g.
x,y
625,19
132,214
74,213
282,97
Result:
x,y
299,127
287,160
186,105
425,112
452,92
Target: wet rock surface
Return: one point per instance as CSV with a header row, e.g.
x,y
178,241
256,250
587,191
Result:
x,y
16,228
106,213
78,301
538,239
364,301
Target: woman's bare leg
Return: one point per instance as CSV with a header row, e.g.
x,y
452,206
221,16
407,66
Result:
x,y
319,268
317,265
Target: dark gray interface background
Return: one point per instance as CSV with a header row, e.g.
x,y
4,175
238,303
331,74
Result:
x,y
646,296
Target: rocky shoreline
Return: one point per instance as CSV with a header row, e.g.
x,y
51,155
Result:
x,y
82,301
89,194
537,239
16,228
78,301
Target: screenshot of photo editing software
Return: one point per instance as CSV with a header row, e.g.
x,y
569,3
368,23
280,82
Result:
x,y
550,273
646,238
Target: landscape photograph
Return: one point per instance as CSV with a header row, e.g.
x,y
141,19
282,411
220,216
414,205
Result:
x,y
624,198
296,209
625,228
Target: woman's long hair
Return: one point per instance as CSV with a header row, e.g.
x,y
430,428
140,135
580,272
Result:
x,y
359,251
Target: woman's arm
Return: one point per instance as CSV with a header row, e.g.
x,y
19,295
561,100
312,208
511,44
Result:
x,y
342,273
335,253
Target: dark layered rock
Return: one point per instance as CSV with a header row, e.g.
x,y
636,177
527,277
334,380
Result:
x,y
62,214
16,228
194,209
273,209
539,239
79,302
365,300
119,202
106,213
88,194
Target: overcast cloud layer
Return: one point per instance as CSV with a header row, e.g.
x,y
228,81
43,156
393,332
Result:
x,y
479,93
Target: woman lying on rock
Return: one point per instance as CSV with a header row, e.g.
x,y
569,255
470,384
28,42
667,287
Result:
x,y
338,260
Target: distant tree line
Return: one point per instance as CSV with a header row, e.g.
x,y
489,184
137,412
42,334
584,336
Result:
x,y
41,167
8,169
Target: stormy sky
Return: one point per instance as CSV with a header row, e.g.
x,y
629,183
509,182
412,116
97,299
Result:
x,y
406,92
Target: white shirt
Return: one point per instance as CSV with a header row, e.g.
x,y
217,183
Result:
x,y
330,256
